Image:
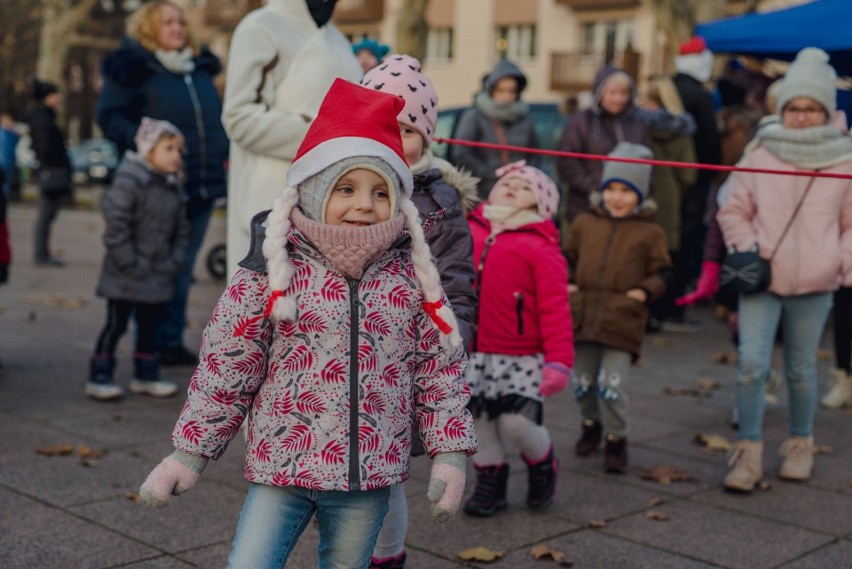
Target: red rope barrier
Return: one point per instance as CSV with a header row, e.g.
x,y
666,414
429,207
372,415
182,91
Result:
x,y
667,163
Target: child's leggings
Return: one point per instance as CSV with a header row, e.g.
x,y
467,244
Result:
x,y
118,314
509,429
843,328
391,540
599,379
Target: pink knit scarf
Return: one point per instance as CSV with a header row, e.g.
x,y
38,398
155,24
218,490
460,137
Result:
x,y
349,249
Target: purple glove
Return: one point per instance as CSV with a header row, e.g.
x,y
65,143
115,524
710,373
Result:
x,y
554,378
708,284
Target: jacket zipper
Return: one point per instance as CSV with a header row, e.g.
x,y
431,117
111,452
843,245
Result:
x,y
519,309
354,459
604,262
480,267
202,135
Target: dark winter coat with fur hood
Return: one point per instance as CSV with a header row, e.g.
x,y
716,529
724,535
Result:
x,y
607,257
137,85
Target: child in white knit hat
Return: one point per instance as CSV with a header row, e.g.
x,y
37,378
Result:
x,y
327,340
443,195
146,237
619,260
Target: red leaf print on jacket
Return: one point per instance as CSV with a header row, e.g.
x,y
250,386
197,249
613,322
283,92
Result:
x,y
435,393
429,339
373,404
286,328
283,405
426,420
334,290
390,375
307,479
393,456
192,432
377,325
334,372
237,291
309,403
333,453
229,428
224,396
211,363
263,451
251,364
455,429
247,327
368,439
298,439
281,478
427,367
400,296
312,323
299,359
367,359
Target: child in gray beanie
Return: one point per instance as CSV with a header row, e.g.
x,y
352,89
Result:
x,y
618,262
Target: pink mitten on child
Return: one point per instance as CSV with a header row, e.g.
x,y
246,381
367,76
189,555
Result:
x,y
707,286
176,474
554,378
446,485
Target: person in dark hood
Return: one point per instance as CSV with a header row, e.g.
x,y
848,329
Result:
x,y
597,130
321,10
498,116
159,73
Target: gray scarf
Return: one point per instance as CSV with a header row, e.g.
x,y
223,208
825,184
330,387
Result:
x,y
178,62
500,112
812,148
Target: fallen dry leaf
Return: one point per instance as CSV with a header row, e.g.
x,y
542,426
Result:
x,y
714,443
657,515
132,496
85,453
53,299
58,450
479,554
655,502
541,551
725,358
764,485
597,524
822,449
662,342
685,391
707,384
825,355
665,475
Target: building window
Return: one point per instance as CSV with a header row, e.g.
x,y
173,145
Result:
x,y
589,29
439,45
516,42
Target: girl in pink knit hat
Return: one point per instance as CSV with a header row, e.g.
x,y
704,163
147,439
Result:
x,y
523,351
333,331
443,196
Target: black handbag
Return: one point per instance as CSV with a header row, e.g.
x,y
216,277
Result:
x,y
54,181
746,272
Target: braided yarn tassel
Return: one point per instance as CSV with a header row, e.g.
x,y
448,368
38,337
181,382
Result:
x,y
278,264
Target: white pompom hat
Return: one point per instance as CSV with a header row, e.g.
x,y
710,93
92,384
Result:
x,y
352,121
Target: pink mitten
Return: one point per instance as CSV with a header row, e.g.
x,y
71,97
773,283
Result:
x,y
176,474
554,378
707,286
446,485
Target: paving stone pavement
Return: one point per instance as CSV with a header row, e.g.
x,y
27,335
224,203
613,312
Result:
x,y
65,512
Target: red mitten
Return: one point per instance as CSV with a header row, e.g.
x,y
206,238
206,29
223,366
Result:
x,y
708,284
554,378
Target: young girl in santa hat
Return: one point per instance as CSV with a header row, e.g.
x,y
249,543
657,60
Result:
x,y
523,350
332,331
443,195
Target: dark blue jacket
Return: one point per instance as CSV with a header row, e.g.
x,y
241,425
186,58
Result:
x,y
136,84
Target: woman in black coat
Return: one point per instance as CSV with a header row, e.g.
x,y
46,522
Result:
x,y
157,73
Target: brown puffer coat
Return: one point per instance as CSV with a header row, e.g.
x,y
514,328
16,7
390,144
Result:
x,y
608,257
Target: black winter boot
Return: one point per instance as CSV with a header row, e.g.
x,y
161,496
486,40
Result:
x,y
100,385
542,477
146,378
590,440
394,562
490,492
615,454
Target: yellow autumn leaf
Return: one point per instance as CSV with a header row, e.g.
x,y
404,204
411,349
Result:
x,y
714,443
480,554
57,450
542,551
657,515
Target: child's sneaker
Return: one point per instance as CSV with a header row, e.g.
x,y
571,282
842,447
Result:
x,y
100,385
160,388
798,453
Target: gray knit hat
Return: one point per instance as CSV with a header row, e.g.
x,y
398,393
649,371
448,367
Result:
x,y
637,176
810,75
315,190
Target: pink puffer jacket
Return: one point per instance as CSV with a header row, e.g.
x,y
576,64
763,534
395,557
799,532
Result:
x,y
816,254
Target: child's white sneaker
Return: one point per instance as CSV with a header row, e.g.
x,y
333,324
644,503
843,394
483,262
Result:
x,y
160,388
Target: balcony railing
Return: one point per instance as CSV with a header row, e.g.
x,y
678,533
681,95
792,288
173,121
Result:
x,y
575,72
598,4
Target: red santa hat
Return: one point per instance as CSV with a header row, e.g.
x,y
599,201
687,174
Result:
x,y
694,45
352,121
695,59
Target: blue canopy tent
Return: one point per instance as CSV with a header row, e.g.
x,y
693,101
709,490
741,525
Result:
x,y
782,33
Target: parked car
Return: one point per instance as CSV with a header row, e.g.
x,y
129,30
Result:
x,y
94,161
549,124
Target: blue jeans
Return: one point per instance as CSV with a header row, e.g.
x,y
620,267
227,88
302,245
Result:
x,y
802,321
170,330
274,517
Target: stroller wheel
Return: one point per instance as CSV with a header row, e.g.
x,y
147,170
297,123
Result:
x,y
217,262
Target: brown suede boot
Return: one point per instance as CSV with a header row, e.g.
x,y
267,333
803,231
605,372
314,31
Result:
x,y
746,462
590,439
615,454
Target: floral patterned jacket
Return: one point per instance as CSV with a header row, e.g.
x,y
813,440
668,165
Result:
x,y
329,397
